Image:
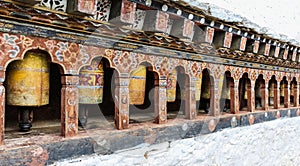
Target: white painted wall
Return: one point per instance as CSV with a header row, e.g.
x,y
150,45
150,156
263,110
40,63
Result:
x,y
271,143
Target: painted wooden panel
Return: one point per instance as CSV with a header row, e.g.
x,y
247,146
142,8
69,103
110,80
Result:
x,y
86,7
122,12
156,21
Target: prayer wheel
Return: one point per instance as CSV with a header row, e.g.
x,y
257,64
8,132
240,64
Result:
x,y
205,94
246,91
180,92
258,94
28,85
171,86
226,95
292,91
28,81
292,88
206,88
282,86
198,87
271,93
91,83
226,90
137,85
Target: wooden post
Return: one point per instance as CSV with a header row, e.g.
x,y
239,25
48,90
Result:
x,y
216,91
234,97
277,95
69,105
265,96
2,112
251,96
287,94
160,100
122,102
190,99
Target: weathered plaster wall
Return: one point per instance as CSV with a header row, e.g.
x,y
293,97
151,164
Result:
x,y
270,143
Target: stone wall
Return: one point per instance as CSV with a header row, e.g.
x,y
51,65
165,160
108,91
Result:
x,y
269,143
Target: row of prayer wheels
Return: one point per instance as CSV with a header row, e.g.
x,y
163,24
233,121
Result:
x,y
28,86
28,82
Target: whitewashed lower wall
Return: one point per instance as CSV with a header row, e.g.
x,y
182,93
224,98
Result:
x,y
271,143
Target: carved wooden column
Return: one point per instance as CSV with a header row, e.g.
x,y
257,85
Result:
x,y
296,94
215,96
69,105
251,96
234,97
265,96
160,100
122,102
190,99
287,95
277,95
2,109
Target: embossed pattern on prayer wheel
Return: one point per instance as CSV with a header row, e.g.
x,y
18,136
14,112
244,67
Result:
x,y
198,87
171,86
137,85
91,82
28,81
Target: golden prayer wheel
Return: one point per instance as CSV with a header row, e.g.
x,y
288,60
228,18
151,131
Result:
x,y
282,86
91,82
180,92
271,90
226,95
258,90
137,85
198,87
206,88
28,86
28,81
171,86
226,92
247,88
292,87
271,93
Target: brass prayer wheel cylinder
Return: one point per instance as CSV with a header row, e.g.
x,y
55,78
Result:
x,y
246,91
258,92
198,87
28,81
271,90
171,86
137,85
292,88
282,86
226,90
91,82
206,87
